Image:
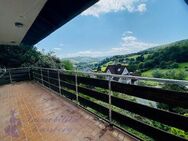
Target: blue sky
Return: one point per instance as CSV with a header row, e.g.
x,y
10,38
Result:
x,y
115,27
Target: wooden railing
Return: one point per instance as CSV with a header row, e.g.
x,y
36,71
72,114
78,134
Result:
x,y
82,90
14,75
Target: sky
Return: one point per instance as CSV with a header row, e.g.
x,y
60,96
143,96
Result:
x,y
116,27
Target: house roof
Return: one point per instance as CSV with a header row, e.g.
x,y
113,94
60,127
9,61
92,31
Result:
x,y
115,69
28,22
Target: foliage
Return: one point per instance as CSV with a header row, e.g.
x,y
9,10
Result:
x,y
17,56
171,74
67,65
157,74
49,61
179,132
28,56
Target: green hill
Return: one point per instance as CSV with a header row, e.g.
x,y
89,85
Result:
x,y
164,58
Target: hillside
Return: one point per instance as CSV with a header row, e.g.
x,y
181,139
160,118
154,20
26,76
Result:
x,y
164,58
177,43
83,63
80,59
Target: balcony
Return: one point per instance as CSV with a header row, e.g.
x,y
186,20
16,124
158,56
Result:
x,y
52,104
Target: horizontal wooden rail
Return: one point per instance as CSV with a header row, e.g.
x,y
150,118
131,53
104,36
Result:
x,y
153,132
101,109
68,94
93,82
67,77
94,94
165,117
68,85
154,94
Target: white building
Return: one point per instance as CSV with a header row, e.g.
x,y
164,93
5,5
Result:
x,y
119,70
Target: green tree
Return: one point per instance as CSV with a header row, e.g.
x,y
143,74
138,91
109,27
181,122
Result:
x,y
140,58
67,64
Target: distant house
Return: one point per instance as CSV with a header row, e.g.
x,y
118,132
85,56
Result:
x,y
119,70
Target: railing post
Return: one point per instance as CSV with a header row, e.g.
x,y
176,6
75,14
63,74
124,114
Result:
x,y
29,73
59,81
48,79
110,94
10,76
76,84
41,76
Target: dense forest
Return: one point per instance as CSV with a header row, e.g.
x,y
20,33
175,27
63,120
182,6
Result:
x,y
28,56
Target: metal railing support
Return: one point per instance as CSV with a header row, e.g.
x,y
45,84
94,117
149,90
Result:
x,y
76,84
110,102
59,81
29,73
41,77
10,76
48,78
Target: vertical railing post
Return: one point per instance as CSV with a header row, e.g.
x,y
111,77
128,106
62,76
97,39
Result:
x,y
29,73
41,76
10,76
76,84
110,101
59,81
48,79
33,74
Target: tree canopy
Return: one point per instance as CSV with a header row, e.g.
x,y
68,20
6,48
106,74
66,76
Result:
x,y
28,56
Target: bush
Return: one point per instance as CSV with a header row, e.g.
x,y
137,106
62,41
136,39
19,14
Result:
x,y
180,75
172,74
173,65
162,65
140,65
148,64
132,67
157,74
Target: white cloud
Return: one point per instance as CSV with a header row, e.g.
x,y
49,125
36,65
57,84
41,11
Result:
x,y
107,6
128,32
142,7
129,44
88,53
57,48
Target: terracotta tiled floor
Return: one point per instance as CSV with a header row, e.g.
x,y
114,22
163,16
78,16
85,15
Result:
x,y
29,112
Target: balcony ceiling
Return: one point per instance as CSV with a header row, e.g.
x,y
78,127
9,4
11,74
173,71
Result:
x,y
30,21
186,1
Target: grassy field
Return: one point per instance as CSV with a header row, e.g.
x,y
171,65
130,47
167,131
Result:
x,y
182,67
133,56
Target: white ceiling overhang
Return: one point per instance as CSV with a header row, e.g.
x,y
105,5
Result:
x,y
17,12
29,21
